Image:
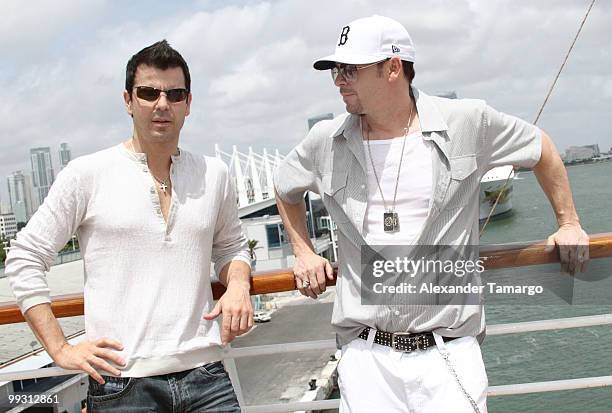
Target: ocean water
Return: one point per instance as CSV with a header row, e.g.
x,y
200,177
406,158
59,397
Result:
x,y
559,354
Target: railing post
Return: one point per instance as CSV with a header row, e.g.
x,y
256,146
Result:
x,y
232,371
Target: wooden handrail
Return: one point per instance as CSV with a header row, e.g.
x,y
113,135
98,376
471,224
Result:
x,y
266,282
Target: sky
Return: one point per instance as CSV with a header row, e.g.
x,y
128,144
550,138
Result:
x,y
62,69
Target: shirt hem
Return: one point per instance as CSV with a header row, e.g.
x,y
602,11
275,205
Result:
x,y
154,366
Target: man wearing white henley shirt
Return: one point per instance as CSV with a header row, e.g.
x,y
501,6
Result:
x,y
150,218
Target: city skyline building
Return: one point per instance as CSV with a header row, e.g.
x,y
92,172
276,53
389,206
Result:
x,y
449,94
42,172
20,195
65,155
8,226
312,121
580,153
595,149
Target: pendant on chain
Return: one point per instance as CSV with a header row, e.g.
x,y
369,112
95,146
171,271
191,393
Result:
x,y
391,221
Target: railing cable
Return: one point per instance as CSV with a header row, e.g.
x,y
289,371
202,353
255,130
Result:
x,y
535,122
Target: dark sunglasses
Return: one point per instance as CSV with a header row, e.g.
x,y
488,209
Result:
x,y
349,72
151,94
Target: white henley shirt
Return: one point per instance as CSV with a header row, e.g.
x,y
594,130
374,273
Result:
x,y
147,282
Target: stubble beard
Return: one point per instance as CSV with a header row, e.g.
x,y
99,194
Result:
x,y
354,109
158,137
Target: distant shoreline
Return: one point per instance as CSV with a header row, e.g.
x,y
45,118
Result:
x,y
585,162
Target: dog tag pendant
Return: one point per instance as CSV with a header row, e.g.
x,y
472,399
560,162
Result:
x,y
391,222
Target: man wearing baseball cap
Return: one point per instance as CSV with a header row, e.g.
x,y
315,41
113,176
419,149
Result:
x,y
404,168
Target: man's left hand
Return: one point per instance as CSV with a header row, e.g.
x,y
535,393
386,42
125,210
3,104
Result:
x,y
235,305
573,245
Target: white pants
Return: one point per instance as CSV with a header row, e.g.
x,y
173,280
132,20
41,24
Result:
x,y
375,378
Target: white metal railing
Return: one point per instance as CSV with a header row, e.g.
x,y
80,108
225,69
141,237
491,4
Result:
x,y
293,407
230,354
548,386
546,325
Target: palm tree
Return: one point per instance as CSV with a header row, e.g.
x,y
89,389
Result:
x,y
252,244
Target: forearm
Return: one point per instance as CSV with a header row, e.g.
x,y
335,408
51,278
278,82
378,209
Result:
x,y
45,327
552,177
294,220
235,304
236,273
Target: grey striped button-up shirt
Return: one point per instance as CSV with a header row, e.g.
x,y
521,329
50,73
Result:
x,y
469,138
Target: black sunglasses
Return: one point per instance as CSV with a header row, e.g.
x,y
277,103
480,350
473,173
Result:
x,y
151,94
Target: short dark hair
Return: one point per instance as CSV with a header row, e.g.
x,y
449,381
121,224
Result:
x,y
159,55
407,68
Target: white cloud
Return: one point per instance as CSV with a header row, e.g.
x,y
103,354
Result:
x,y
29,28
253,82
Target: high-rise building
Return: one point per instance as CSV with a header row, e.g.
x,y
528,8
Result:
x,y
20,195
64,155
315,119
8,226
42,172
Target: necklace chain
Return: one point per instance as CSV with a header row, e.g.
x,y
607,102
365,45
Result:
x,y
163,185
367,136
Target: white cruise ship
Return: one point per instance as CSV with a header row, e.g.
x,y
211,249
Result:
x,y
491,185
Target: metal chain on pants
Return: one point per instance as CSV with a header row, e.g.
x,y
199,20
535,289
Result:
x,y
444,354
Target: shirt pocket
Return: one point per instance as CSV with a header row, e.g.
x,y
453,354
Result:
x,y
334,195
464,183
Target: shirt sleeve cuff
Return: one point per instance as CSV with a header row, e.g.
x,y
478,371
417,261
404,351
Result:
x,y
293,197
31,301
535,150
242,256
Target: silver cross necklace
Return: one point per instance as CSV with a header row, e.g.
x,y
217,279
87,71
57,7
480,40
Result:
x,y
162,184
390,217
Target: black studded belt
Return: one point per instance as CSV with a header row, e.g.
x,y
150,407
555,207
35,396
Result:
x,y
404,342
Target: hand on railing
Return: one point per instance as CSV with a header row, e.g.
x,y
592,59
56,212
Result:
x,y
310,271
573,245
89,356
235,305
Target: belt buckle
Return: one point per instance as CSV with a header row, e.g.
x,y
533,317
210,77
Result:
x,y
414,342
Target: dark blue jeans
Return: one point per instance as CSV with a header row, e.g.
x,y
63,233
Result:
x,y
203,389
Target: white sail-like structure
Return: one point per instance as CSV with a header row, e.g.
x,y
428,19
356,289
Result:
x,y
252,176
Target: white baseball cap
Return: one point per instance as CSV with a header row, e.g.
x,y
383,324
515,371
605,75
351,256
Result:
x,y
369,40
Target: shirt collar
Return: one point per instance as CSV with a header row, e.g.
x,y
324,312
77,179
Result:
x,y
429,116
142,157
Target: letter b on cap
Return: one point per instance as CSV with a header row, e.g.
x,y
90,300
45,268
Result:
x,y
344,35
